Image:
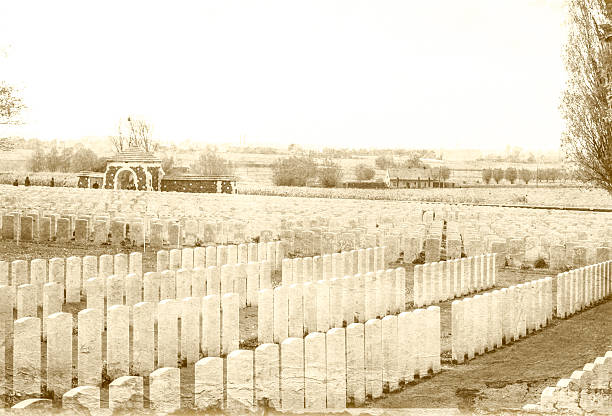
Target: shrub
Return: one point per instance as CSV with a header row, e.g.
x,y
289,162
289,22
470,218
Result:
x,y
540,263
526,175
293,171
330,174
510,174
210,163
364,173
487,174
420,258
384,162
498,175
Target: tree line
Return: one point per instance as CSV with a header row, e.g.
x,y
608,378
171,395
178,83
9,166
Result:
x,y
69,159
526,175
304,170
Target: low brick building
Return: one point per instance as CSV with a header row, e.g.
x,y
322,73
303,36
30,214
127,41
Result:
x,y
194,183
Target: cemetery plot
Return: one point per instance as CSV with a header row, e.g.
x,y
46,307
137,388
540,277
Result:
x,y
543,196
233,282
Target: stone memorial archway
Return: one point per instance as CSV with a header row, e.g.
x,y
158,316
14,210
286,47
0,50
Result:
x,y
126,178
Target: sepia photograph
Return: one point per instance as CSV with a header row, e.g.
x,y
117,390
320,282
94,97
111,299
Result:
x,y
306,207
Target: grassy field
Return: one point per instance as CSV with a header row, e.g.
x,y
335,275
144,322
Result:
x,y
550,196
553,194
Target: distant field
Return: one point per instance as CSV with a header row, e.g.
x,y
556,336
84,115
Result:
x,y
256,168
260,184
553,196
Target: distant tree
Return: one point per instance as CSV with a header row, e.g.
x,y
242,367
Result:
x,y
53,159
11,104
211,164
553,174
293,171
413,161
167,163
515,154
498,175
543,174
65,159
526,175
364,173
587,99
510,174
442,173
329,174
564,174
134,132
487,174
384,162
38,160
84,159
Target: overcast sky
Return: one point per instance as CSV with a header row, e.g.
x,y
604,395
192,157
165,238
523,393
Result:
x,y
379,73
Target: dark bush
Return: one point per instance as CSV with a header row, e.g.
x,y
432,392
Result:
x,y
330,174
420,258
293,171
364,173
540,264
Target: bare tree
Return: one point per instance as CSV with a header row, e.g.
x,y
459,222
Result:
x,y
119,141
134,133
11,105
586,108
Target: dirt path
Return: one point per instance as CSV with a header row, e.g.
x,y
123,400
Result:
x,y
514,375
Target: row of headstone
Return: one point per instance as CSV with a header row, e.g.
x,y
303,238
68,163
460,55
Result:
x,y
585,391
243,280
321,371
96,229
116,203
318,242
70,273
337,265
189,258
528,250
301,308
63,228
208,326
484,322
33,227
573,255
441,281
484,228
193,232
581,288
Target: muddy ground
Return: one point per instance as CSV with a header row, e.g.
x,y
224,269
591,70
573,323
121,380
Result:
x,y
504,379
